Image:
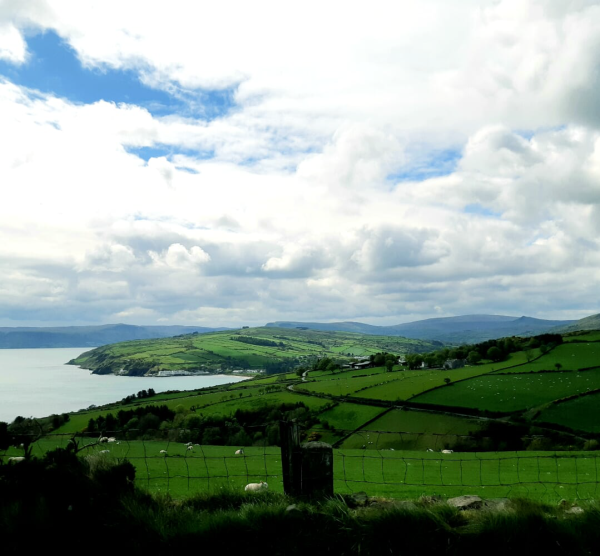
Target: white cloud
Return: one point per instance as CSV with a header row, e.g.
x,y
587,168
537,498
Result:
x,y
296,215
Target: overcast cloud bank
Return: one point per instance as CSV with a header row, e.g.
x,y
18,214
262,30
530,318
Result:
x,y
322,163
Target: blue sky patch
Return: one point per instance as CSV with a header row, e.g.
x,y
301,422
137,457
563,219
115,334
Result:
x,y
480,210
431,165
53,67
146,153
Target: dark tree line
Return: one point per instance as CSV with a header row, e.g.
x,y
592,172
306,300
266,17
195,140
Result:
x,y
257,341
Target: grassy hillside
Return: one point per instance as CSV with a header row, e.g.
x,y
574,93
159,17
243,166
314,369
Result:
x,y
251,348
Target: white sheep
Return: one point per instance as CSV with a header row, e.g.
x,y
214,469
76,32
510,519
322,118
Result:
x,y
16,459
104,452
239,452
164,452
190,448
103,439
189,444
255,487
430,450
447,451
111,439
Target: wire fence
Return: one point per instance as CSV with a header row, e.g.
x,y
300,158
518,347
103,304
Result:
x,y
368,463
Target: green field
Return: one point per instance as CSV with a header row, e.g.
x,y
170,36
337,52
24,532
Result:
x,y
581,414
512,392
570,357
412,430
224,351
545,476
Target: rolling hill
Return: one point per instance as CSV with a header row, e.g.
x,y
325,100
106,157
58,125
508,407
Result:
x,y
84,336
456,330
274,349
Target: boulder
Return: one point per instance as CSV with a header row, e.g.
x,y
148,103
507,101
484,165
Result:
x,y
467,502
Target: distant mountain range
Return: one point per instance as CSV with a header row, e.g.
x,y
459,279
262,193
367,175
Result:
x,y
89,336
451,330
455,330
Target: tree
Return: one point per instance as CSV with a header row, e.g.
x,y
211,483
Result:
x,y
558,366
389,365
447,381
495,354
474,357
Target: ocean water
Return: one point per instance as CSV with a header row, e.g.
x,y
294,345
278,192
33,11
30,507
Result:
x,y
37,383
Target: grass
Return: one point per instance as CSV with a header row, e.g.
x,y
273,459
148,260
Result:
x,y
412,430
507,393
582,414
571,357
212,351
548,476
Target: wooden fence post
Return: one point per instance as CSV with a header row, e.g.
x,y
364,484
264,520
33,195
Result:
x,y
307,468
290,442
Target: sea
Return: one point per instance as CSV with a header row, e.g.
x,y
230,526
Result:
x,y
38,383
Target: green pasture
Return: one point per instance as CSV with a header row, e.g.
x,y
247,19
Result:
x,y
415,384
581,414
570,357
346,385
547,476
591,336
354,373
512,392
412,430
219,401
344,417
220,348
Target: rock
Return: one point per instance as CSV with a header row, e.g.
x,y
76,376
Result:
x,y
575,510
468,502
496,504
358,499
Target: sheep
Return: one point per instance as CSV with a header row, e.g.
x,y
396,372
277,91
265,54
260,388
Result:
x,y
429,450
103,439
190,448
104,452
239,452
164,452
255,487
16,459
111,439
447,451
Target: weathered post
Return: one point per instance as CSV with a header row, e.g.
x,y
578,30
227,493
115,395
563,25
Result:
x,y
316,467
307,468
290,443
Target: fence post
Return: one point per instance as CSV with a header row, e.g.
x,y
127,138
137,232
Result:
x,y
316,470
290,442
308,468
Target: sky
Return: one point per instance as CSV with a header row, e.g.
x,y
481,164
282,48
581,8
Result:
x,y
235,163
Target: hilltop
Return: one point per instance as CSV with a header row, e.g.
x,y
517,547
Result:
x,y
84,336
456,330
271,349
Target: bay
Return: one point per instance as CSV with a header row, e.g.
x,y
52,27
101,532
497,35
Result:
x,y
37,383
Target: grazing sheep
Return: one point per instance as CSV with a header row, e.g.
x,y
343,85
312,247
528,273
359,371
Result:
x,y
164,452
111,439
239,452
190,444
429,450
104,452
190,448
16,459
103,439
255,487
447,451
